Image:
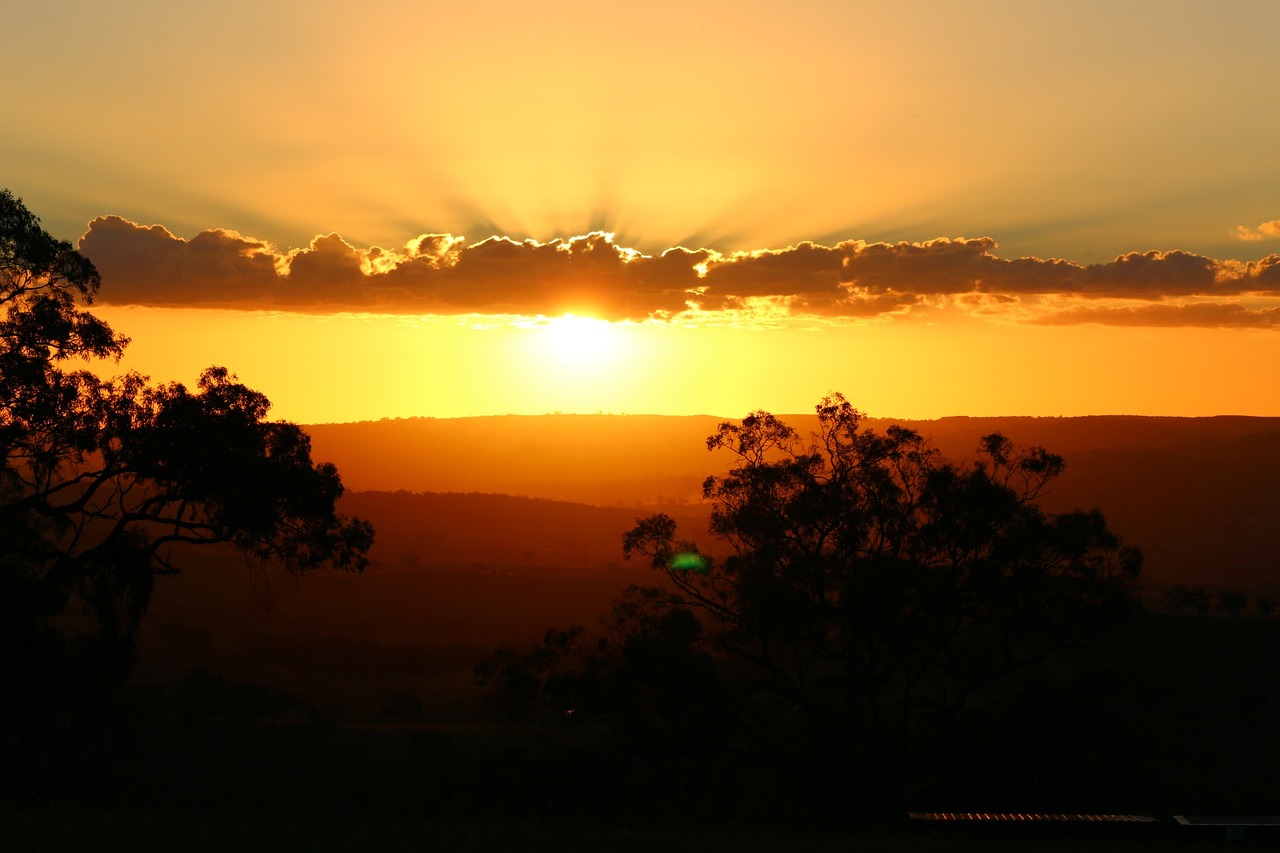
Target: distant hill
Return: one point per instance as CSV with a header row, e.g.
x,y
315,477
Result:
x,y
483,531
1201,496
459,567
598,459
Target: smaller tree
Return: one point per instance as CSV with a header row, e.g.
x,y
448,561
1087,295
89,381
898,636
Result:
x,y
1230,602
1183,597
648,676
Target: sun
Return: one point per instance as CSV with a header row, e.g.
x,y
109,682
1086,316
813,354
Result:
x,y
576,364
581,343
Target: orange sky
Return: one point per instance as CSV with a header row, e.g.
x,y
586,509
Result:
x,y
989,208
320,368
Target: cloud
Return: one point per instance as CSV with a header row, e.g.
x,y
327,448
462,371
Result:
x,y
592,274
1262,232
151,266
1193,314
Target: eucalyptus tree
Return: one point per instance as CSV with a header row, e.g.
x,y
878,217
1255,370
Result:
x,y
873,588
104,481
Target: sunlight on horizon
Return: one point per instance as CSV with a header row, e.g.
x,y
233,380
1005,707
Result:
x,y
341,368
580,345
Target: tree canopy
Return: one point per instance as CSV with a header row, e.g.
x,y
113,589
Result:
x,y
867,573
861,590
101,479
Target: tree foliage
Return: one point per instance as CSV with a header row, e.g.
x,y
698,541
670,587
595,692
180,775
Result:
x,y
865,592
101,478
649,676
874,586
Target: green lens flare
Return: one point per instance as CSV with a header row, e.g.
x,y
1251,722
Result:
x,y
689,562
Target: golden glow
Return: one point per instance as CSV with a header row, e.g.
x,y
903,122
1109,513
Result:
x,y
319,369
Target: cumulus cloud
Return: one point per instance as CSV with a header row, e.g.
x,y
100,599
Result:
x,y
1262,232
592,274
150,266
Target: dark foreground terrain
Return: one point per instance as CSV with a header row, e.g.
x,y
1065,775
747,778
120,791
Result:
x,y
115,830
340,712
1169,715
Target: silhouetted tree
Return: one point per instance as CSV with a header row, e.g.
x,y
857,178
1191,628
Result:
x,y
644,698
101,478
243,704
872,588
649,674
1231,603
1182,597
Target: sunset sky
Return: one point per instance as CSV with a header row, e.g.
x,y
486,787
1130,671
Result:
x,y
388,209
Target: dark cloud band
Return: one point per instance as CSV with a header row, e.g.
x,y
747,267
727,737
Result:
x,y
442,274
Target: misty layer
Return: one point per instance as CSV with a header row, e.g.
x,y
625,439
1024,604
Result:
x,y
444,274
